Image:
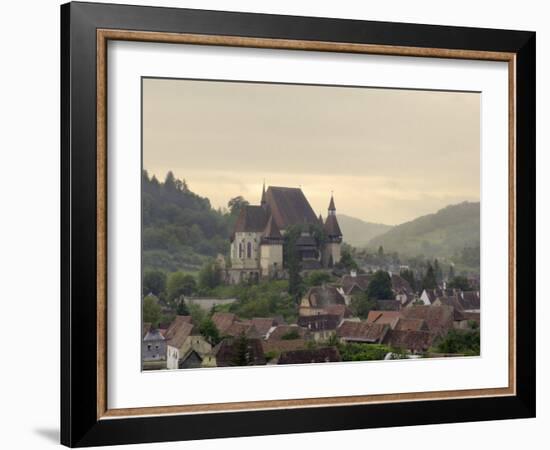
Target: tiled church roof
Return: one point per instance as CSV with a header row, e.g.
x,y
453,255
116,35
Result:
x,y
289,206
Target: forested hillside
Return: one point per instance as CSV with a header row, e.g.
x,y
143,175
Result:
x,y
357,232
180,228
451,232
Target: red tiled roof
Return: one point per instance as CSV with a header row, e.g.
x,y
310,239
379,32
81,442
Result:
x,y
383,317
409,340
223,321
362,331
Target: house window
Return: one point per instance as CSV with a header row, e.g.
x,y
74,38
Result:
x,y
149,347
249,250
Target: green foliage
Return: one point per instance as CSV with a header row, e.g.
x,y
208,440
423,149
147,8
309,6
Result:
x,y
154,282
181,308
317,278
460,282
236,204
379,287
210,275
447,233
209,330
180,228
459,341
347,261
242,354
361,305
363,352
265,299
291,335
408,275
180,284
151,310
197,313
451,272
429,281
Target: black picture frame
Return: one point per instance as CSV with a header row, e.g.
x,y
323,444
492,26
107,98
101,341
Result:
x,y
80,425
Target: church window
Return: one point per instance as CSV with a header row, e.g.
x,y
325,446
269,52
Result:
x,y
249,250
241,250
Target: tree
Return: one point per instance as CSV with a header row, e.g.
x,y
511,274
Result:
x,y
317,278
381,251
461,283
154,282
180,284
209,330
235,204
151,311
451,272
210,275
379,287
361,305
458,341
181,309
429,281
241,356
347,261
295,285
438,272
170,182
408,275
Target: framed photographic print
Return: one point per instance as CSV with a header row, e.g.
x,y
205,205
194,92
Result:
x,y
276,224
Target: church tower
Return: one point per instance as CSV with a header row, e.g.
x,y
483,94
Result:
x,y
332,251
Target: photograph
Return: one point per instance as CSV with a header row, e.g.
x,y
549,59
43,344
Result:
x,y
299,223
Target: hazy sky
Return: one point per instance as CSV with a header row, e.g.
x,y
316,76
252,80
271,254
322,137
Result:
x,y
389,155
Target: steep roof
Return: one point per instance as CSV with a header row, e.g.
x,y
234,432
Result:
x,y
439,319
331,206
410,325
319,355
331,226
383,317
251,219
180,334
398,283
470,300
283,345
361,281
175,325
272,232
362,331
319,322
145,327
321,296
289,206
409,340
227,350
263,324
223,320
238,328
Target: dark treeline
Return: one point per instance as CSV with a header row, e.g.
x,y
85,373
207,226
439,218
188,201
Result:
x,y
180,228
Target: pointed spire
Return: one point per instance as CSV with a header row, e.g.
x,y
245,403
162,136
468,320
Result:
x,y
331,207
263,201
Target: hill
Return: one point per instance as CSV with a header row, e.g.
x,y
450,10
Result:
x,y
357,232
445,234
180,229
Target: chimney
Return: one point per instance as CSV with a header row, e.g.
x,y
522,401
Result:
x,y
353,273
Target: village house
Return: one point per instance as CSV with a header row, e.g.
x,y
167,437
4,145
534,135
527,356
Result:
x,y
258,236
153,348
383,317
438,319
356,284
361,332
321,327
414,342
318,299
228,353
182,339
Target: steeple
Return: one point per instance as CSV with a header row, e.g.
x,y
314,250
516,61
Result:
x,y
331,207
263,201
321,219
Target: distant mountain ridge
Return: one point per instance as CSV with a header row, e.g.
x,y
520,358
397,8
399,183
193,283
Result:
x,y
443,234
358,232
